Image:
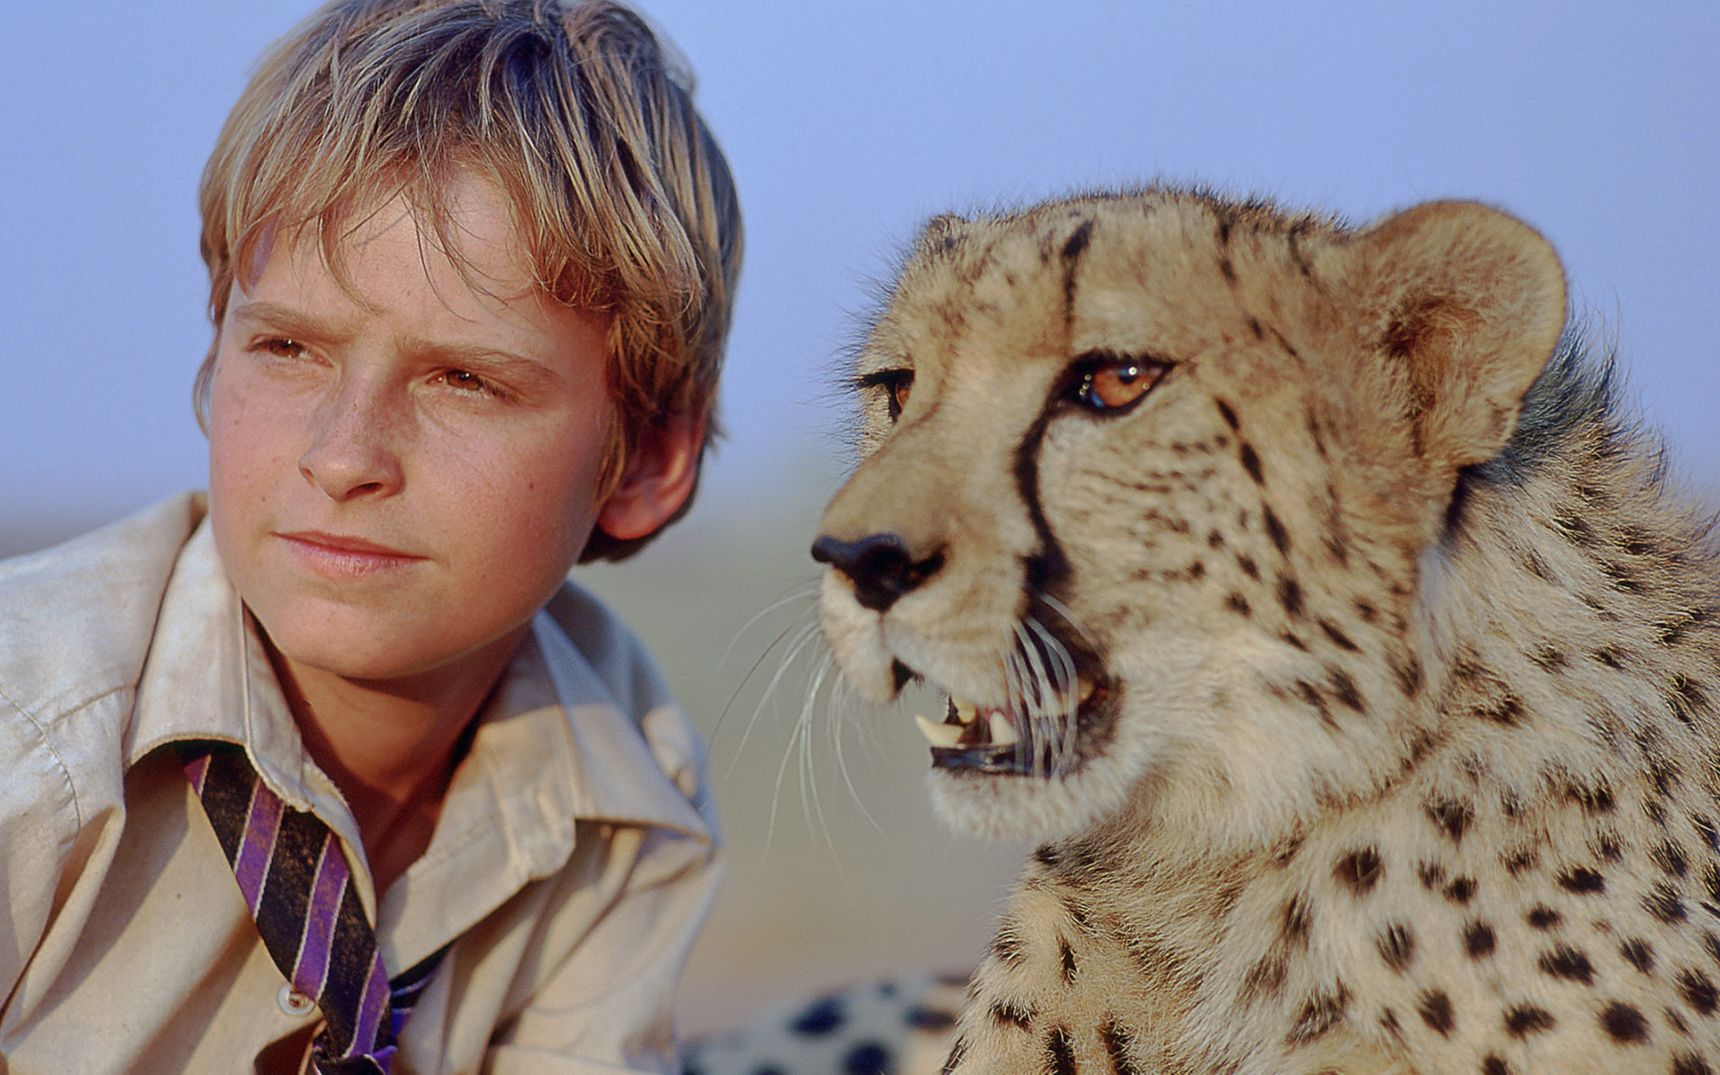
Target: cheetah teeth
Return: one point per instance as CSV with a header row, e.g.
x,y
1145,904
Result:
x,y
938,733
966,725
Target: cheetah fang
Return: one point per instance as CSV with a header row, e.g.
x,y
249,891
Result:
x,y
1304,592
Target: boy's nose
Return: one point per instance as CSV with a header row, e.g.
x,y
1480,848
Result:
x,y
350,454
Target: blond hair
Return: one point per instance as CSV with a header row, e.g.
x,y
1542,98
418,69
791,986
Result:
x,y
623,201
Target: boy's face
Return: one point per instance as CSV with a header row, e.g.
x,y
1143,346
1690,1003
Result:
x,y
400,481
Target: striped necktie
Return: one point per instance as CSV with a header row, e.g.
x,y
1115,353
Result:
x,y
295,880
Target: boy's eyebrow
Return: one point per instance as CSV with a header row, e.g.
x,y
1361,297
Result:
x,y
291,320
481,356
286,318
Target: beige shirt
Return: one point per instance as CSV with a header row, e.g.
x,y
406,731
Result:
x,y
572,864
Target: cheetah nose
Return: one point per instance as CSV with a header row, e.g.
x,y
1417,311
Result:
x,y
879,565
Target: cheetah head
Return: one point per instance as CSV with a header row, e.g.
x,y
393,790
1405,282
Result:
x,y
1147,486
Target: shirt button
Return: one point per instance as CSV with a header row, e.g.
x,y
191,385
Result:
x,y
295,1003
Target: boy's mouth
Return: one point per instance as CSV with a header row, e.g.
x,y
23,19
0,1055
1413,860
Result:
x,y
344,556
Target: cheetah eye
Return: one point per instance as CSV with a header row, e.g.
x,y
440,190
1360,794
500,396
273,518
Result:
x,y
1111,383
897,384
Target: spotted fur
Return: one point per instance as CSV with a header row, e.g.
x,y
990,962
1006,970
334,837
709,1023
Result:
x,y
1406,759
900,1027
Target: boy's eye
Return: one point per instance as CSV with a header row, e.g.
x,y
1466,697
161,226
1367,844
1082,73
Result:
x,y
282,347
467,381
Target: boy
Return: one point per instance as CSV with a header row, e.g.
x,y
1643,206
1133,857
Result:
x,y
332,770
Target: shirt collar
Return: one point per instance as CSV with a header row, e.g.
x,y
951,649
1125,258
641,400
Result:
x,y
580,726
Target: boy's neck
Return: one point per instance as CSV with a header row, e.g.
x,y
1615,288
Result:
x,y
392,746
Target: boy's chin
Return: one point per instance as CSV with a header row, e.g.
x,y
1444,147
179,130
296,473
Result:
x,y
359,656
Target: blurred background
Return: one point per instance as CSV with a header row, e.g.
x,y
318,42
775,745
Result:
x,y
847,125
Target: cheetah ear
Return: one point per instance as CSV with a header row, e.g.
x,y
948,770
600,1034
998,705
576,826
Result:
x,y
1468,303
941,234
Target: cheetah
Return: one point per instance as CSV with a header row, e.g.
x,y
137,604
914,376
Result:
x,y
1304,591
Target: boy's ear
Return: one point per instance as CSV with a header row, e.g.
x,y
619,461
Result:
x,y
656,480
1468,304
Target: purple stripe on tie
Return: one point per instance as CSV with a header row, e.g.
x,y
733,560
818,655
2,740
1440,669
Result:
x,y
252,864
312,967
196,771
371,1008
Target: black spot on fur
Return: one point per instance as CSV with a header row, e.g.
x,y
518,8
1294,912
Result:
x,y
1461,890
1670,856
1011,1015
1664,904
1432,875
1397,947
1265,978
1248,566
1698,991
1360,870
1337,635
1006,946
958,1053
1344,688
1478,939
1563,961
1117,1042
1550,658
1712,944
1059,1053
1076,245
1290,595
1311,696
1226,412
1491,1064
1624,1023
1237,603
1690,1064
867,1058
823,1017
923,1018
1521,861
1068,959
1542,917
1251,463
1521,1020
1685,699
1583,881
1408,674
1638,953
1275,530
1607,848
1595,799
1505,708
1436,1012
1321,1011
1298,920
1255,329
1451,817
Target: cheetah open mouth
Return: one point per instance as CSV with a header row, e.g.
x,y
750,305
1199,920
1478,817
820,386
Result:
x,y
1047,740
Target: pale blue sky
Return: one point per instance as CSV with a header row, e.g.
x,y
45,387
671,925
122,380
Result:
x,y
847,125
